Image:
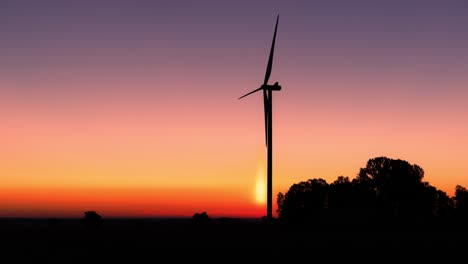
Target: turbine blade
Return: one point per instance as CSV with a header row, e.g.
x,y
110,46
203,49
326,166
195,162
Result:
x,y
256,90
265,106
270,59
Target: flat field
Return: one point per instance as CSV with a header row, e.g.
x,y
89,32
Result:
x,y
222,240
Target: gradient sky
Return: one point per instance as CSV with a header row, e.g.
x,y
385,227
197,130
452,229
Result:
x,y
130,108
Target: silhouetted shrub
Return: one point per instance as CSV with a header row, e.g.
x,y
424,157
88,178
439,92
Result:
x,y
200,218
92,219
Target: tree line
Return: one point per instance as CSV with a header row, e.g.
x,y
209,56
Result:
x,y
385,189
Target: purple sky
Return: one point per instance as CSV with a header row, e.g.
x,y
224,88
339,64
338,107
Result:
x,y
231,38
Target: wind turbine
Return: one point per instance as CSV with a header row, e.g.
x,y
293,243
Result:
x,y
267,104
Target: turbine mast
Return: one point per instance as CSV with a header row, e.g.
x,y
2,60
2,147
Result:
x,y
267,104
270,159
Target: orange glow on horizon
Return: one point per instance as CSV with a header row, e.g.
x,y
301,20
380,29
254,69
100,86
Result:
x,y
123,202
131,157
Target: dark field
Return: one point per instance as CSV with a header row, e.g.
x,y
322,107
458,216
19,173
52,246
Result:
x,y
222,240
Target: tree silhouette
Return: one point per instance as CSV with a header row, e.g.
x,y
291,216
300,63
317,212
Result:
x,y
364,196
304,201
349,200
398,185
444,206
340,193
436,201
279,202
461,201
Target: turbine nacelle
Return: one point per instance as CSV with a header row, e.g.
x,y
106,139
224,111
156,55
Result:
x,y
274,87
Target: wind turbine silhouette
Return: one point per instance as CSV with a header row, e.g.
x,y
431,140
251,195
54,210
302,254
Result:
x,y
267,104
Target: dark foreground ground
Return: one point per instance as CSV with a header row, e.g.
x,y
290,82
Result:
x,y
223,241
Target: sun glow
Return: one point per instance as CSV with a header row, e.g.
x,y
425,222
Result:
x,y
260,187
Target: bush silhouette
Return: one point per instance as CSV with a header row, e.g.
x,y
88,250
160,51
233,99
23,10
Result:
x,y
200,218
92,219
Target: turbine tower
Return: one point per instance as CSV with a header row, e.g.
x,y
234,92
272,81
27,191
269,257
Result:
x,y
267,104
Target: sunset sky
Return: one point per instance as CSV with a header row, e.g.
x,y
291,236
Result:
x,y
130,108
